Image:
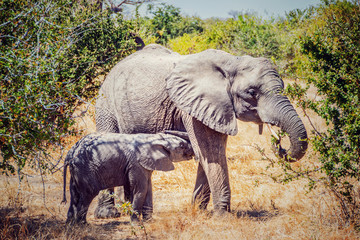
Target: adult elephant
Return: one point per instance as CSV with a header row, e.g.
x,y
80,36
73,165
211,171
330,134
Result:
x,y
204,94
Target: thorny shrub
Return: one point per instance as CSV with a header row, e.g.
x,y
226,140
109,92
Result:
x,y
333,48
50,53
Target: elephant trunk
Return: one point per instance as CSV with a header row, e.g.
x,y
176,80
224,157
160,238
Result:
x,y
291,123
283,115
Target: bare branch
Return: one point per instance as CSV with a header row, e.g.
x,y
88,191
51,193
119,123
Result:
x,y
115,8
130,2
310,121
118,8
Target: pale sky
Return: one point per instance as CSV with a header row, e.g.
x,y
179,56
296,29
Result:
x,y
221,8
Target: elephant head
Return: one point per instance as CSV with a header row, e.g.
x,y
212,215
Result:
x,y
169,147
217,88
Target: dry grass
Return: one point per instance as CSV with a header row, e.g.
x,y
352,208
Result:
x,y
261,208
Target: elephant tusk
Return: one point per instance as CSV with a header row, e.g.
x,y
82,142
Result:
x,y
273,132
261,127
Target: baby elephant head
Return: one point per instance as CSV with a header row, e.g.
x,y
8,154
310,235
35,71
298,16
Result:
x,y
179,145
169,147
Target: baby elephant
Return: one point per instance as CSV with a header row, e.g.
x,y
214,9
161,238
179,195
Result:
x,y
105,160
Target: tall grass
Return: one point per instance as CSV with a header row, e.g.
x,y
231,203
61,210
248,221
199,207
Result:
x,y
261,208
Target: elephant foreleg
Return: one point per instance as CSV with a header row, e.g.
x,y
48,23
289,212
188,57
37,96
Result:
x,y
210,149
201,195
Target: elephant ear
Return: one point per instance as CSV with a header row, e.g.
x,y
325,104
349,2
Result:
x,y
199,85
156,157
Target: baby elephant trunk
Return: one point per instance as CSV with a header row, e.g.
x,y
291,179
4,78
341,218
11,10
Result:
x,y
187,151
181,134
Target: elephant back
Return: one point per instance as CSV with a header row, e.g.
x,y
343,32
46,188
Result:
x,y
135,90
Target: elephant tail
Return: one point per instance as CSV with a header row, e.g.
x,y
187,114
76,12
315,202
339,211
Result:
x,y
64,174
66,164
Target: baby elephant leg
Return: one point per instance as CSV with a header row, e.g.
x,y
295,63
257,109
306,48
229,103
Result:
x,y
148,204
74,199
138,202
123,193
139,189
79,205
82,209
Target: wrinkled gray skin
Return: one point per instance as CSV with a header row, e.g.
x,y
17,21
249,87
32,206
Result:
x,y
204,94
105,160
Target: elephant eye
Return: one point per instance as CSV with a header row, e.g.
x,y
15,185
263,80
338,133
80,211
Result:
x,y
251,92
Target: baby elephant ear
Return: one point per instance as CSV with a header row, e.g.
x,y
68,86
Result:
x,y
156,158
199,85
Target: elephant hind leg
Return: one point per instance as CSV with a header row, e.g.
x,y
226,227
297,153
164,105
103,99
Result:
x,y
106,122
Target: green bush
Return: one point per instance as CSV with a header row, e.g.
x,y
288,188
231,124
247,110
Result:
x,y
332,44
221,33
256,37
167,23
191,43
251,35
50,52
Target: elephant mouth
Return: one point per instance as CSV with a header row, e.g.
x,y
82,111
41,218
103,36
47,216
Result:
x,y
250,115
269,126
277,148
